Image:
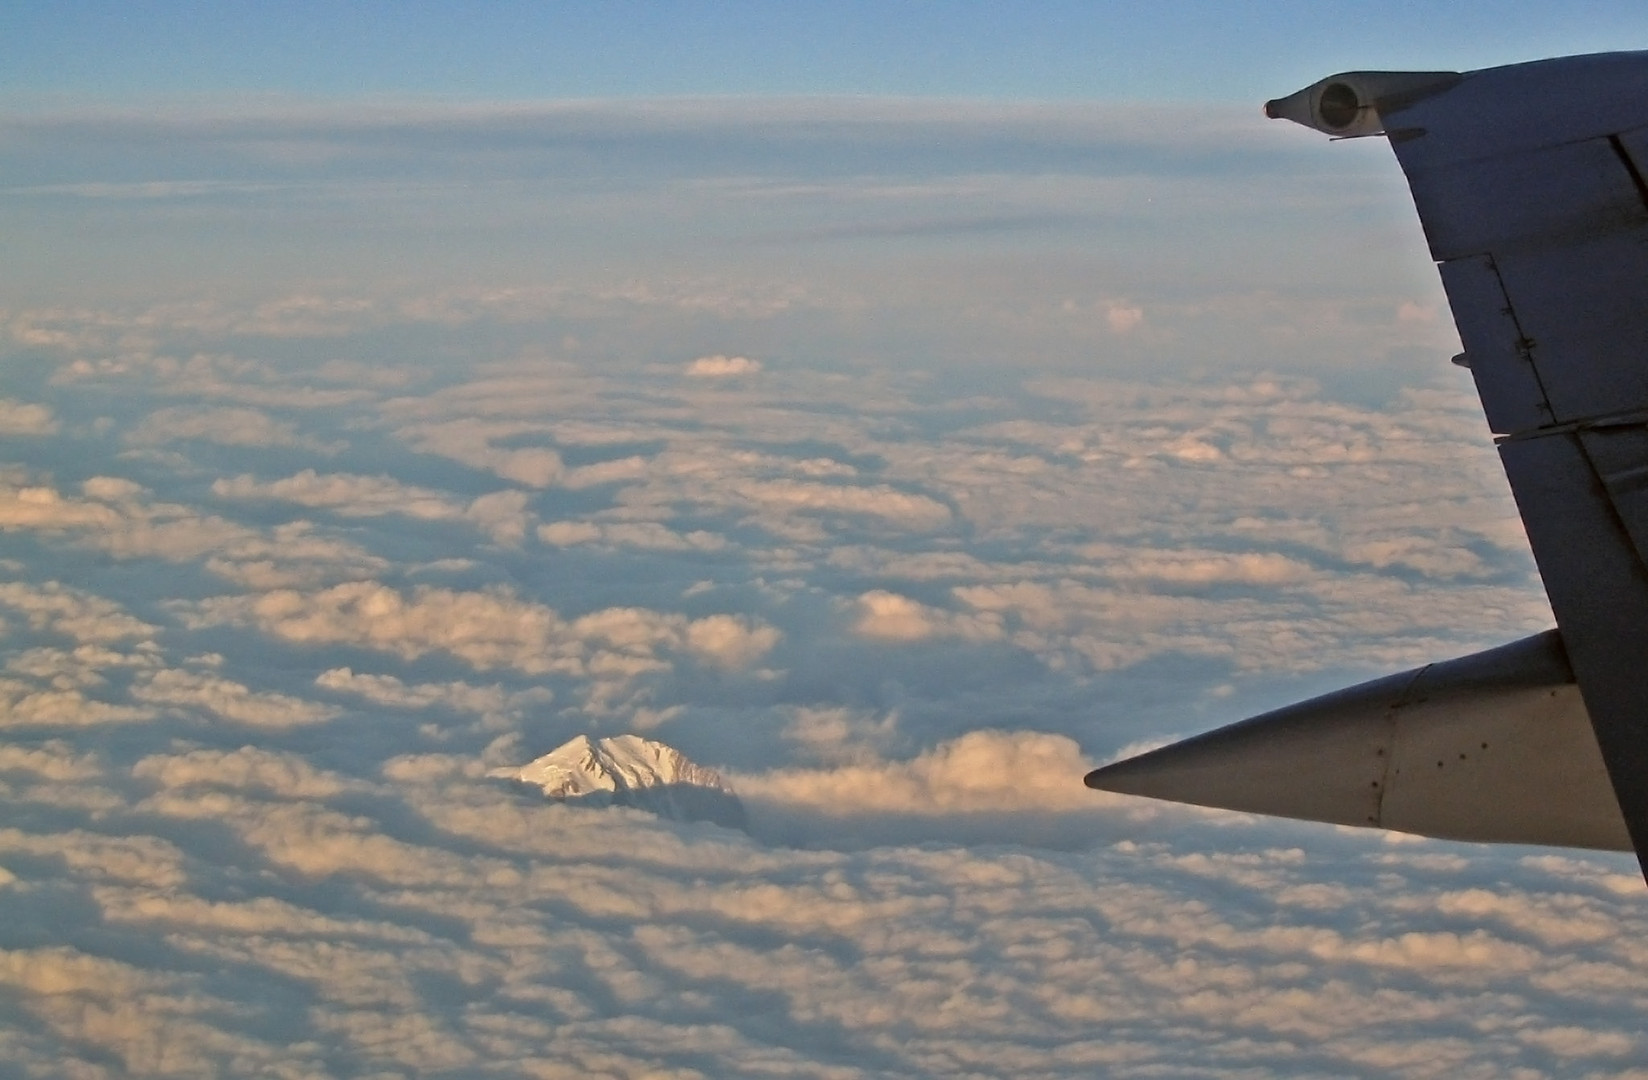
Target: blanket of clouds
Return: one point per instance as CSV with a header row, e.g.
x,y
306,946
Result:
x,y
901,462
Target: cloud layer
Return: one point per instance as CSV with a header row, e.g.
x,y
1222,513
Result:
x,y
904,536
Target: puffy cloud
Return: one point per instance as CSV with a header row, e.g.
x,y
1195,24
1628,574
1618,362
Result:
x,y
54,761
213,376
840,734
491,629
44,508
719,366
1432,556
1572,1041
249,768
492,701
898,618
57,608
1123,318
568,533
474,443
986,786
139,859
25,705
93,1012
646,535
486,629
981,771
20,418
1198,568
262,916
82,667
729,641
116,516
66,687
495,445
227,427
892,617
502,514
345,493
1107,627
186,692
894,507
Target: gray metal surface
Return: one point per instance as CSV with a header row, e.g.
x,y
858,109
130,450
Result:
x,y
1490,747
1495,349
1598,587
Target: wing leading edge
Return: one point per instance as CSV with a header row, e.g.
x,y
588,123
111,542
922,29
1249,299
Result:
x,y
1531,182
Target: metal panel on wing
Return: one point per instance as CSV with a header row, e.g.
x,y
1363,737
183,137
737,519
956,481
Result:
x,y
1495,348
1599,590
1566,228
1526,202
1519,108
1619,455
1584,309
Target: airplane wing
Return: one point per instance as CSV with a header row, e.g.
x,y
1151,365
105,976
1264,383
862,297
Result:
x,y
1531,182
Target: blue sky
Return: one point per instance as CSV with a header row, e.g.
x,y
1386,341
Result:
x,y
1205,51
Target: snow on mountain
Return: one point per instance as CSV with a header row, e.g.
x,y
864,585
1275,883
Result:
x,y
627,770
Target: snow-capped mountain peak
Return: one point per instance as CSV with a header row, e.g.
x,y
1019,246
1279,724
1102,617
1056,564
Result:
x,y
627,770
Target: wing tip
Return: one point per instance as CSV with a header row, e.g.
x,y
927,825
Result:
x,y
1121,777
